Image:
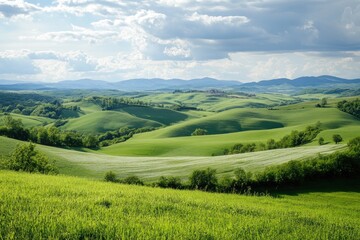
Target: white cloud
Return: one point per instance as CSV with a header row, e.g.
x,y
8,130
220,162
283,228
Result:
x,y
77,34
210,20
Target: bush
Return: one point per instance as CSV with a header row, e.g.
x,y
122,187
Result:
x,y
337,138
204,180
110,177
199,132
170,182
132,180
26,158
321,141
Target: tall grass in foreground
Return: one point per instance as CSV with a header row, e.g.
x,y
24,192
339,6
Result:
x,y
56,207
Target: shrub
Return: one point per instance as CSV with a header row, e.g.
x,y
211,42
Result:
x,y
321,141
198,132
170,182
110,177
204,180
133,180
26,158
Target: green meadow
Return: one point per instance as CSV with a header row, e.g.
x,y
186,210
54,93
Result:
x,y
57,207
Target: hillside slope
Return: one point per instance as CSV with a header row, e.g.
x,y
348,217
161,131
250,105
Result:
x,y
240,126
95,165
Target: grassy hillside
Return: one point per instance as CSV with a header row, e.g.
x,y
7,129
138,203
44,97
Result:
x,y
107,120
246,125
95,165
57,207
163,116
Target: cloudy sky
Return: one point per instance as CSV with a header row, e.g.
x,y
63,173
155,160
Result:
x,y
226,39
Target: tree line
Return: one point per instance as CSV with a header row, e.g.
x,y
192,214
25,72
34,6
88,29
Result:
x,y
351,107
294,139
53,136
34,105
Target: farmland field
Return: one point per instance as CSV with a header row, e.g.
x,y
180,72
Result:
x,y
58,207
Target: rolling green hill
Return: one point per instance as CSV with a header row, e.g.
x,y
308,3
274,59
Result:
x,y
106,121
56,207
245,125
211,102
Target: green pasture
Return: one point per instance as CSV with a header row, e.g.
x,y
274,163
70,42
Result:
x,y
58,207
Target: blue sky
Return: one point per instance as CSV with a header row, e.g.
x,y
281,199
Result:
x,y
225,39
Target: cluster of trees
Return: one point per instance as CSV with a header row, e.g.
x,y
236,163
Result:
x,y
294,139
351,107
199,132
120,135
109,103
240,148
132,180
34,105
28,159
293,173
322,103
53,136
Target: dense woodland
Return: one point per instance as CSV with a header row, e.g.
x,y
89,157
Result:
x,y
351,107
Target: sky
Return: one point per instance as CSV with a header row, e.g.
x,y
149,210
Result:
x,y
240,40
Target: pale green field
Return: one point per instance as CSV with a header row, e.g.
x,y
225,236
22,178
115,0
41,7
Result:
x,y
95,165
57,207
210,102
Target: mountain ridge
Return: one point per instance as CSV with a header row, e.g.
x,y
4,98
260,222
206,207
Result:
x,y
159,84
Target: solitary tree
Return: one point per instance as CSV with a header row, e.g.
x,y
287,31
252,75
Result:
x,y
337,138
323,102
26,158
321,141
198,132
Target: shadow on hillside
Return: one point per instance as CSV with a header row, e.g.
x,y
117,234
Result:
x,y
323,186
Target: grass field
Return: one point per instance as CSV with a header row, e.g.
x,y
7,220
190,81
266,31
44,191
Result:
x,y
94,165
57,207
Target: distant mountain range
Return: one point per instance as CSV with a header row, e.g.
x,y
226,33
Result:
x,y
157,84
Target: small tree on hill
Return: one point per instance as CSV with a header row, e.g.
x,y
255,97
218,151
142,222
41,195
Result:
x,y
337,138
198,132
321,141
323,102
26,158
